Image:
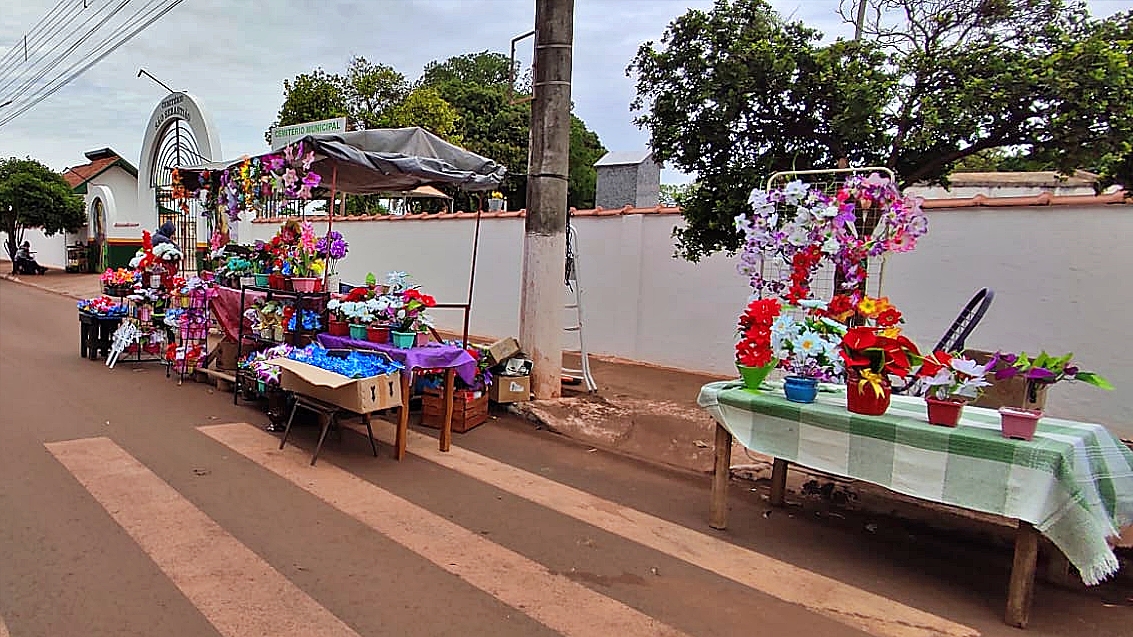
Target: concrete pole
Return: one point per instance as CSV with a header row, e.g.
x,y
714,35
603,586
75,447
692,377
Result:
x,y
544,240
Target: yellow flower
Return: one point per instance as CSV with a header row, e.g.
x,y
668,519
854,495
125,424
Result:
x,y
891,332
882,304
868,307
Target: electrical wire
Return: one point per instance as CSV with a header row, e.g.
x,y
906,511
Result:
x,y
13,69
47,93
59,59
29,37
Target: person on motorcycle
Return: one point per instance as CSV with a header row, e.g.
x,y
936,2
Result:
x,y
25,262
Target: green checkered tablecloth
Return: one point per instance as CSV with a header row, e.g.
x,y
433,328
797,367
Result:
x,y
1073,482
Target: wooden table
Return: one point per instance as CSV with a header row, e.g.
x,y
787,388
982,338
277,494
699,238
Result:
x,y
94,334
971,467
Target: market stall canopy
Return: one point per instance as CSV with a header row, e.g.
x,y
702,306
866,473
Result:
x,y
386,159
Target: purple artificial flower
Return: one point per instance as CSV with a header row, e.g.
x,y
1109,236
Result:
x,y
1071,371
1040,374
312,179
275,163
1005,373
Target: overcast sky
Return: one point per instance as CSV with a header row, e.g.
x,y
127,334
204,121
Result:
x,y
234,55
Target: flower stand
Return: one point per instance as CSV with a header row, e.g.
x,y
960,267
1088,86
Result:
x,y
945,413
800,390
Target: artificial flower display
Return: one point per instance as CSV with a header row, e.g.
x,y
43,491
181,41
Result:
x,y
102,306
799,226
1043,370
807,347
354,364
119,277
947,376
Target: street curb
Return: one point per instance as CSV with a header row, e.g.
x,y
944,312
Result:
x,y
15,279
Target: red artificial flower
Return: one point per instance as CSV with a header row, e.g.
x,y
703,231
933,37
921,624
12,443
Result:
x,y
859,338
888,317
933,363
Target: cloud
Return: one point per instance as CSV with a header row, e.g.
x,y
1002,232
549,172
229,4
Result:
x,y
234,55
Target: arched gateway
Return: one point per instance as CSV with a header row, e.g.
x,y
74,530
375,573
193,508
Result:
x,y
179,133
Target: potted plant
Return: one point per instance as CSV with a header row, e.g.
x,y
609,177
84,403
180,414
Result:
x,y
406,310
949,381
1040,372
808,351
754,356
332,248
358,315
306,265
873,350
337,324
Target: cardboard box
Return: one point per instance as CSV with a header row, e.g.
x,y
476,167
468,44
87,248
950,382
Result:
x,y
510,389
1003,393
226,355
359,395
502,350
468,410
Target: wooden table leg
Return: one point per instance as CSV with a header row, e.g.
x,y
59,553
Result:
x,y
446,428
1022,585
779,482
84,337
402,417
718,514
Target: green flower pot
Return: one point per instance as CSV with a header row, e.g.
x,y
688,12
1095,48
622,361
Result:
x,y
754,376
403,340
262,280
358,332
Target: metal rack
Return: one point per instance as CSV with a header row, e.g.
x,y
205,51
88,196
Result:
x,y
299,300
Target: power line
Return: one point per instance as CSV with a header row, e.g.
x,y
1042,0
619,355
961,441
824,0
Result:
x,y
32,46
44,95
16,49
59,59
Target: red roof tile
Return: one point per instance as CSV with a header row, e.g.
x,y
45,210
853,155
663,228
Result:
x,y
79,175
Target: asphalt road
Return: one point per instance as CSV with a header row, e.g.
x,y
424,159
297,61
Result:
x,y
130,505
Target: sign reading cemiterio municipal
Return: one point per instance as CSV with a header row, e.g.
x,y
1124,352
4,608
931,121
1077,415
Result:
x,y
284,135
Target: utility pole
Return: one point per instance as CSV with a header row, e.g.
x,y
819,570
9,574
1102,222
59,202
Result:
x,y
544,239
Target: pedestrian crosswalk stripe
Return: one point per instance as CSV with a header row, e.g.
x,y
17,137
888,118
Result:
x,y
553,600
844,603
236,590
3,629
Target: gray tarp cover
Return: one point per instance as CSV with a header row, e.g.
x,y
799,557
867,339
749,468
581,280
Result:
x,y
393,159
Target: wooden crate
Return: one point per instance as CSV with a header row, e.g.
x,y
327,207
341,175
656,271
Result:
x,y
467,412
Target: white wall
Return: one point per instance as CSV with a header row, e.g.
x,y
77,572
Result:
x,y
50,251
124,209
1056,272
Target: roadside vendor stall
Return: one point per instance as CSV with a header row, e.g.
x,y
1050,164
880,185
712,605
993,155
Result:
x,y
839,408
287,287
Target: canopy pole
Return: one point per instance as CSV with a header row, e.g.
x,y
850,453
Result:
x,y
330,221
472,278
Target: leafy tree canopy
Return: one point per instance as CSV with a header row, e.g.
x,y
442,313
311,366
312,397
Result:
x,y
33,196
464,99
737,93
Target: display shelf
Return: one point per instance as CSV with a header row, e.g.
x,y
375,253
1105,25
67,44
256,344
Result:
x,y
313,301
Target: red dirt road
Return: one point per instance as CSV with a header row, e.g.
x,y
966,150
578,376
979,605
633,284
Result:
x,y
129,506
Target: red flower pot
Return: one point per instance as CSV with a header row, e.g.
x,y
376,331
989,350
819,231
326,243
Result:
x,y
377,334
863,398
945,413
1019,424
276,281
338,328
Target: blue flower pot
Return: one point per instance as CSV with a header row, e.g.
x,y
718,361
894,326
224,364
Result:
x,y
800,390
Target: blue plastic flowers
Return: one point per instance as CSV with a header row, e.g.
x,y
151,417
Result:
x,y
310,321
352,363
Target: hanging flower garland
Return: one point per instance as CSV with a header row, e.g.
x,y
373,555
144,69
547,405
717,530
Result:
x,y
801,226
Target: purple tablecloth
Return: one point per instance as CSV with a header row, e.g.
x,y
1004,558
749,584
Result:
x,y
432,356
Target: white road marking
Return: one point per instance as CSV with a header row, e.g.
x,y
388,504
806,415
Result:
x,y
236,590
847,604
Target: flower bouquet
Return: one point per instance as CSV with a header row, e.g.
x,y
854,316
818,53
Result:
x,y
118,282
332,249
800,226
948,382
337,324
808,350
306,267
754,355
1040,372
872,355
410,317
359,316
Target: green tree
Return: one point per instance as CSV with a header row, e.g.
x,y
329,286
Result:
x,y
372,91
309,97
736,93
33,196
485,68
426,108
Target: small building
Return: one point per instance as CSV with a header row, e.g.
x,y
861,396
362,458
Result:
x,y
630,178
109,186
